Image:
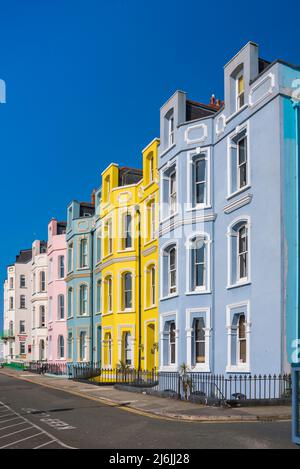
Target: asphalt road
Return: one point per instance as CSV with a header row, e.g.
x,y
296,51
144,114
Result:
x,y
33,416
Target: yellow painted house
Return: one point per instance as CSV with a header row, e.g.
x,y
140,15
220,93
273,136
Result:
x,y
129,264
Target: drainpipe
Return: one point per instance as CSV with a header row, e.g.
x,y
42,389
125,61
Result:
x,y
137,209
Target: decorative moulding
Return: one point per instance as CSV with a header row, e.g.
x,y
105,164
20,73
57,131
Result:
x,y
262,89
238,203
220,124
196,133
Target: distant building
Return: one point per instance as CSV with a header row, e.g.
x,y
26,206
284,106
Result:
x,y
17,309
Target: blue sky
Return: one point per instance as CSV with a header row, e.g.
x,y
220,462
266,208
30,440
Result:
x,y
85,81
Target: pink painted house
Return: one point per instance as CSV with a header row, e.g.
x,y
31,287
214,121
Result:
x,y
57,320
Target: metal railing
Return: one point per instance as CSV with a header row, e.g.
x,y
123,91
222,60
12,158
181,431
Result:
x,y
40,367
101,376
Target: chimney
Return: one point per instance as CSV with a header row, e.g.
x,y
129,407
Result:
x,y
212,100
93,196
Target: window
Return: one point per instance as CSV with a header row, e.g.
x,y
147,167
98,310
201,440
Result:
x,y
22,281
50,302
107,188
83,300
50,270
172,271
171,129
199,341
240,91
22,327
151,220
238,324
61,307
42,281
238,163
83,346
98,247
173,194
34,283
70,302
108,241
11,302
127,291
98,296
11,283
152,286
127,353
83,253
11,328
242,253
61,347
22,302
107,350
22,348
70,345
200,176
61,266
42,316
70,257
70,216
199,264
172,343
241,336
127,231
42,350
151,168
108,298
242,163
239,253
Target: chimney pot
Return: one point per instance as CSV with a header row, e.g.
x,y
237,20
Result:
x,y
212,100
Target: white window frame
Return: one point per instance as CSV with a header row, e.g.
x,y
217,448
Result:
x,y
171,130
70,293
238,367
61,266
22,277
244,132
83,253
61,307
163,319
238,95
165,212
70,257
174,271
173,195
81,304
164,252
191,314
193,157
230,235
206,289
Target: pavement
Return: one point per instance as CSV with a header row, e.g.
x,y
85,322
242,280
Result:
x,y
155,406
40,416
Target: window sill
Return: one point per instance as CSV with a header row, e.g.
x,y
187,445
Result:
x,y
169,297
240,191
83,268
122,251
200,369
125,311
149,242
169,368
198,292
199,207
150,307
238,285
238,369
107,314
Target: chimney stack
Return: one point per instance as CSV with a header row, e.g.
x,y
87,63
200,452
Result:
x,y
93,196
212,100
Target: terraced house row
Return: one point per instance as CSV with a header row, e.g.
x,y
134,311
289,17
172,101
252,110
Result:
x,y
191,259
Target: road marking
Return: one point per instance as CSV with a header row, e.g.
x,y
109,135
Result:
x,y
20,441
14,425
13,433
6,414
52,438
44,444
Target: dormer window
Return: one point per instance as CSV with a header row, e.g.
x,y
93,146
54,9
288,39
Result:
x,y
240,91
171,129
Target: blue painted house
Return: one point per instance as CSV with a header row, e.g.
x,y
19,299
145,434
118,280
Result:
x,y
83,319
227,183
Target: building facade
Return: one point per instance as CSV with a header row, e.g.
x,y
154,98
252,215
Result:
x,y
79,281
129,263
17,309
223,174
57,318
39,301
